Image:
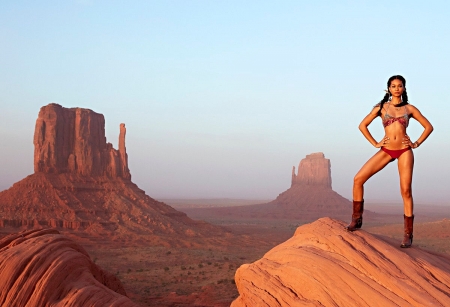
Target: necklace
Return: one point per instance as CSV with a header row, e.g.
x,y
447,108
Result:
x,y
401,104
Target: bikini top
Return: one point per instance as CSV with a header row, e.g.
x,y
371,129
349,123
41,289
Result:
x,y
388,119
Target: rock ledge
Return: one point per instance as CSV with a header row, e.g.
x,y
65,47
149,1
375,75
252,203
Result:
x,y
324,265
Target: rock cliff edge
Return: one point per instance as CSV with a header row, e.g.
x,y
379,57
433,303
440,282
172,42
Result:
x,y
324,265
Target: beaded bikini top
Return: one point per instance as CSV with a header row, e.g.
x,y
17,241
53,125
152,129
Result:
x,y
388,119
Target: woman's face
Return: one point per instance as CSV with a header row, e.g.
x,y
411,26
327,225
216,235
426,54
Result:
x,y
396,88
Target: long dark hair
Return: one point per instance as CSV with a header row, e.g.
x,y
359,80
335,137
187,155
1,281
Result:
x,y
388,94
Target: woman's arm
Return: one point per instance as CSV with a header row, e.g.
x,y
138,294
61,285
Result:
x,y
428,128
365,131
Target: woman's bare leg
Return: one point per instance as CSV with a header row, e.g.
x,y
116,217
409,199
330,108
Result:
x,y
372,166
405,170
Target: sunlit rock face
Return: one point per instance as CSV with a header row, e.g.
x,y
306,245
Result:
x,y
313,170
82,184
73,141
324,265
44,268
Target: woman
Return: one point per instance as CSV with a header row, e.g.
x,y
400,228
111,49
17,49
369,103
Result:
x,y
395,112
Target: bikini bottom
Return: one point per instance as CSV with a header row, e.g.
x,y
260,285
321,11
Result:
x,y
395,153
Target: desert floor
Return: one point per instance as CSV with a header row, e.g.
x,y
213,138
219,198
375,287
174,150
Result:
x,y
162,276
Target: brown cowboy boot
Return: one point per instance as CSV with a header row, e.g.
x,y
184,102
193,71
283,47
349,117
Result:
x,y
358,209
408,237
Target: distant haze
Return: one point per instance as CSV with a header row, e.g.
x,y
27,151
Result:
x,y
222,98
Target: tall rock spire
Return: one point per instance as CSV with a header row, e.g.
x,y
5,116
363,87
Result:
x,y
123,153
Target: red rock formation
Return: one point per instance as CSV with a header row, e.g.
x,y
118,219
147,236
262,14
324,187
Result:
x,y
82,183
44,268
309,197
123,153
73,141
324,265
313,170
310,194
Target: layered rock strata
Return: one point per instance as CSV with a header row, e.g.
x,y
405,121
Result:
x,y
81,183
44,268
324,265
73,141
313,170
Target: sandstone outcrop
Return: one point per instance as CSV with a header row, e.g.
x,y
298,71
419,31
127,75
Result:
x,y
311,195
44,268
81,183
73,141
309,198
313,170
324,265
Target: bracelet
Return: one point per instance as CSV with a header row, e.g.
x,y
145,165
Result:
x,y
416,144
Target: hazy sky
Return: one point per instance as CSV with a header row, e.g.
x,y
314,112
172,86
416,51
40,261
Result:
x,y
222,98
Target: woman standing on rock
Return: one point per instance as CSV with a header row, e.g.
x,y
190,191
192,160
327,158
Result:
x,y
395,112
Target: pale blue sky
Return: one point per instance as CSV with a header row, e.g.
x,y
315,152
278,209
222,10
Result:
x,y
222,98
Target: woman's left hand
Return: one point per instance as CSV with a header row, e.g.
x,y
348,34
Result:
x,y
407,142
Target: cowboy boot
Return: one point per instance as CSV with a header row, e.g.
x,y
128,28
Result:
x,y
358,209
408,237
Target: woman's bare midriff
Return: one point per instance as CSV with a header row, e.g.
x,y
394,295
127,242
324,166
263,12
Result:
x,y
396,132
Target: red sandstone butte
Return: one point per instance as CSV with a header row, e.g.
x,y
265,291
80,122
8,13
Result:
x,y
309,197
44,268
313,170
324,265
82,184
73,141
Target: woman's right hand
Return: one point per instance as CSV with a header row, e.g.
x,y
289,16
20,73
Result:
x,y
383,142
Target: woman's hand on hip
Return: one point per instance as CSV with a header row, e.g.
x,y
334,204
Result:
x,y
383,142
406,141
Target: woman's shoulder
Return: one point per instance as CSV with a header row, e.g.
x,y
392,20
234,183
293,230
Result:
x,y
379,107
376,109
411,108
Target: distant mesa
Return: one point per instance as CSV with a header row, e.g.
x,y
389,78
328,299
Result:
x,y
324,265
313,170
81,183
44,268
309,197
